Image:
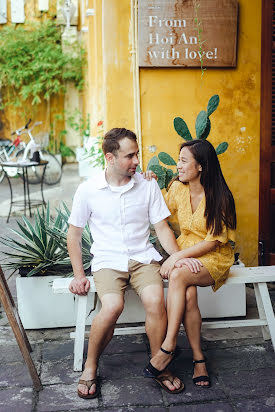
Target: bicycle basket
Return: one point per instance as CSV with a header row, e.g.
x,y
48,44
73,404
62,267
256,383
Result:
x,y
42,138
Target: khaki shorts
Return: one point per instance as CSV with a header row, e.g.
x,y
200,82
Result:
x,y
139,276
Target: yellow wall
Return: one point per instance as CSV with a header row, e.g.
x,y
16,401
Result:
x,y
167,93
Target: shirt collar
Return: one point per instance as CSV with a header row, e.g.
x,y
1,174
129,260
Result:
x,y
102,182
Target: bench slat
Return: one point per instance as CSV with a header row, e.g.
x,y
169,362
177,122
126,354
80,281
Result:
x,y
136,330
238,275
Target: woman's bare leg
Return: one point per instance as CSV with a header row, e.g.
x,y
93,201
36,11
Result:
x,y
192,324
180,279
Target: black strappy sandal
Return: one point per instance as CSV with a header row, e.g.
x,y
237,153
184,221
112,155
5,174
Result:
x,y
151,372
202,378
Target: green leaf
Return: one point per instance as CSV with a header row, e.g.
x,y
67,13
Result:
x,y
152,162
221,148
212,104
158,170
201,123
161,181
169,177
166,159
207,130
25,231
182,129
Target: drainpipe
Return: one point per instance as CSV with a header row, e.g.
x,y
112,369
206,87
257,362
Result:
x,y
136,85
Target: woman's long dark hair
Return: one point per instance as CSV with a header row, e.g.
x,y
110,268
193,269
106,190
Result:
x,y
219,205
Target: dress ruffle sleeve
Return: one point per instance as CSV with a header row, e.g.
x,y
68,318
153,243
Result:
x,y
224,237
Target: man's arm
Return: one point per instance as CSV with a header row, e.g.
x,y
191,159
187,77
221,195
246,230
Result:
x,y
80,285
166,237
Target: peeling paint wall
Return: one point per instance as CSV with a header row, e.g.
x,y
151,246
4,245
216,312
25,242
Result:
x,y
167,93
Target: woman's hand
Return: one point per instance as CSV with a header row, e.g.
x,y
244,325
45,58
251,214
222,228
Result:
x,y
149,175
193,264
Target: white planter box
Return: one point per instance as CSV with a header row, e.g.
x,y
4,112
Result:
x,y
40,308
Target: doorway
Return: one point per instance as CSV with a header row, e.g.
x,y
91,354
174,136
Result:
x,y
267,137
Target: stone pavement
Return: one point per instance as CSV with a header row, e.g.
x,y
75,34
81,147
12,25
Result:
x,y
242,373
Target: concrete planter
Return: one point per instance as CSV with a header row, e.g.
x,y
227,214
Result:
x,y
40,308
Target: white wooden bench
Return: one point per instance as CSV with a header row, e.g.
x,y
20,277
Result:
x,y
238,275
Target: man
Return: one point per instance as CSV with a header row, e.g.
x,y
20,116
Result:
x,y
119,206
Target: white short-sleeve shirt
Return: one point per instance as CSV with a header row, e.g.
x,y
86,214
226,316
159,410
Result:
x,y
119,220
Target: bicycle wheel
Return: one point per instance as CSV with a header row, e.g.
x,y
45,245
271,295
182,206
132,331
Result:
x,y
2,173
34,177
53,171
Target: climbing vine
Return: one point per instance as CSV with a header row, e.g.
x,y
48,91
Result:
x,y
33,65
199,30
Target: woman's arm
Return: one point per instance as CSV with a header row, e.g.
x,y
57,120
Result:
x,y
195,251
198,250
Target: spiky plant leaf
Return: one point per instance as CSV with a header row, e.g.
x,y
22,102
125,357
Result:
x,y
212,104
169,177
207,130
221,148
201,123
158,170
166,159
152,162
182,128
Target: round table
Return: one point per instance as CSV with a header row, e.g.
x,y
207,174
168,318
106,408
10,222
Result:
x,y
23,167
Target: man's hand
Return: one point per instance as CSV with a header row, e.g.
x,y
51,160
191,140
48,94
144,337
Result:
x,y
80,286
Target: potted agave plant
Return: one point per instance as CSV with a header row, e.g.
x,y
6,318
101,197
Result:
x,y
39,252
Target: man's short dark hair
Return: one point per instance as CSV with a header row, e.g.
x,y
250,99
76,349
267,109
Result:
x,y
111,139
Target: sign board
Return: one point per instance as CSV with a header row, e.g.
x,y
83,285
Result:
x,y
170,36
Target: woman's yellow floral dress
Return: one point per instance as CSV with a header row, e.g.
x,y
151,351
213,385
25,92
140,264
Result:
x,y
193,230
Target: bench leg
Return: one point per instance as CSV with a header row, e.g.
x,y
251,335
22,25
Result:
x,y
80,332
269,313
261,310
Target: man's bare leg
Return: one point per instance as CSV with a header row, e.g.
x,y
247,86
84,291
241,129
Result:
x,y
101,333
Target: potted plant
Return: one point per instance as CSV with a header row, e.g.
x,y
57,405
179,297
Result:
x,y
90,157
39,253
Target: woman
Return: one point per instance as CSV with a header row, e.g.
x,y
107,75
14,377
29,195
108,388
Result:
x,y
203,205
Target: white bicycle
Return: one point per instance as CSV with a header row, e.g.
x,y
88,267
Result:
x,y
21,152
